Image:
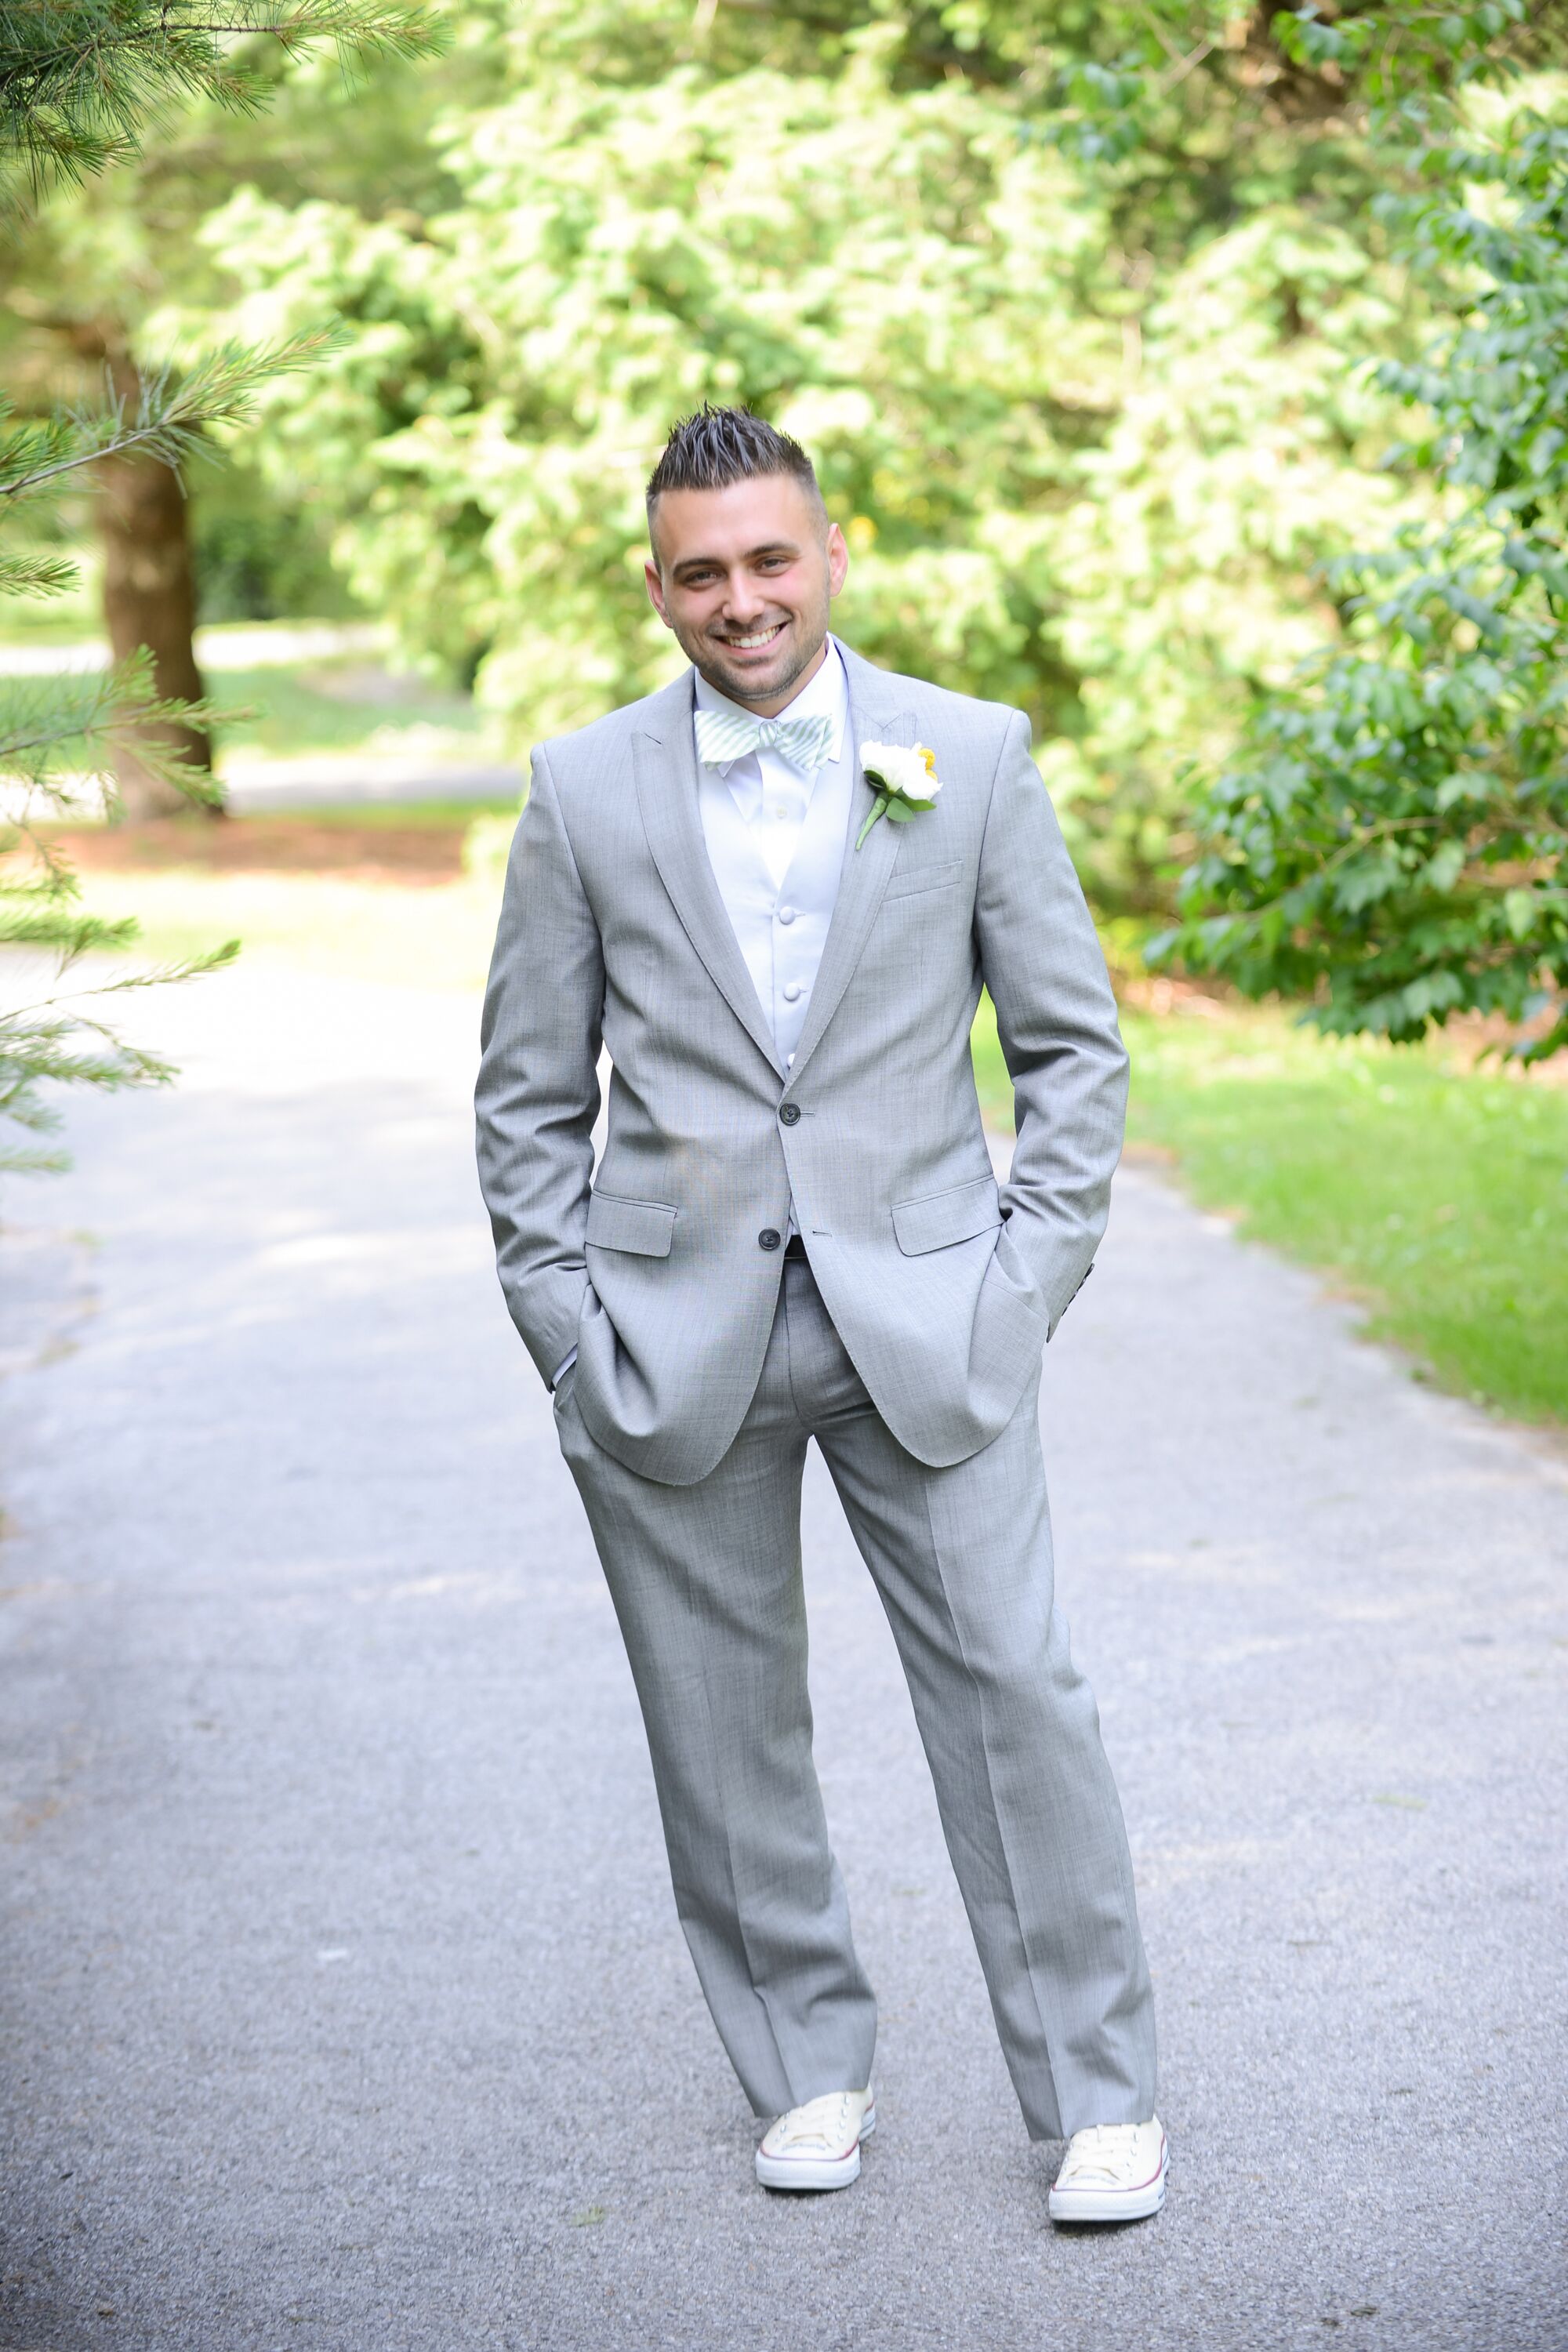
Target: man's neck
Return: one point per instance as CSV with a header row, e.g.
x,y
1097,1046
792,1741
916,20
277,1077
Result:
x,y
770,707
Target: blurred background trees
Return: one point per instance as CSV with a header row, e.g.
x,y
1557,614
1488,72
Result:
x,y
131,123
1103,321
1091,418
85,85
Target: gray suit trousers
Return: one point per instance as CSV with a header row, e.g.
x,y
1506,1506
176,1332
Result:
x,y
706,1580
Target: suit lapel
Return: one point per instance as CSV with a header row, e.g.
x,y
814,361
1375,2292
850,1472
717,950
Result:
x,y
866,872
665,758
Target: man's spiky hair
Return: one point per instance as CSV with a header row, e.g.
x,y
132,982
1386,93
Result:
x,y
717,446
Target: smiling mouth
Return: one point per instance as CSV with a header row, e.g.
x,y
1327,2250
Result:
x,y
755,639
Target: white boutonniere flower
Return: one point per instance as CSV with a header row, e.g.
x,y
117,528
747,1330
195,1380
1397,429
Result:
x,y
905,779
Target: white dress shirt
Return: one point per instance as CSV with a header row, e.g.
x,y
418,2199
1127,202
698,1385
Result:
x,y
775,842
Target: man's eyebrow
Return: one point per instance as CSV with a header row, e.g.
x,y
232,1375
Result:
x,y
752,555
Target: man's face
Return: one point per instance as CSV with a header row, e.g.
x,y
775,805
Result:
x,y
745,576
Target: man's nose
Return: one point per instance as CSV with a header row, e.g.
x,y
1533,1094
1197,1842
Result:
x,y
744,601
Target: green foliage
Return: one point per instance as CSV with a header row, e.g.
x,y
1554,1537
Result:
x,y
257,557
1091,424
79,80
1393,847
1070,300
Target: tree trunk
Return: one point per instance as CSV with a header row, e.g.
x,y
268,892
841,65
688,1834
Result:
x,y
149,586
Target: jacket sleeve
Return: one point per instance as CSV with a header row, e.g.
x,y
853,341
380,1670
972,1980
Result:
x,y
1056,1020
538,1091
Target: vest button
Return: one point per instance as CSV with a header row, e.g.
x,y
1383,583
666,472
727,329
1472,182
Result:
x,y
790,1114
769,1237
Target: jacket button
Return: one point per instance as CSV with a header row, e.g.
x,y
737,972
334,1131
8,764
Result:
x,y
769,1237
789,1114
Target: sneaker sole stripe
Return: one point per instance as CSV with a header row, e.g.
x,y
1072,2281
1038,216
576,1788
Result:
x,y
816,2172
1137,2203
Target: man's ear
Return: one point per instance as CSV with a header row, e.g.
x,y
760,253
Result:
x,y
656,590
838,559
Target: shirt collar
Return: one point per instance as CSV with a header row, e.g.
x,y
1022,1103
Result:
x,y
827,690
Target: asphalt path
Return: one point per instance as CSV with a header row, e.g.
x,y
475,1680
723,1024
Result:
x,y
344,2001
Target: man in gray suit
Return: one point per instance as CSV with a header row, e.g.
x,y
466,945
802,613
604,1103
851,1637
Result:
x,y
773,892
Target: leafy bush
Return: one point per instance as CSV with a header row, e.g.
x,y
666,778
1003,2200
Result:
x,y
1392,844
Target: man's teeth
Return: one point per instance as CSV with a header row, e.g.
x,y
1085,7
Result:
x,y
759,637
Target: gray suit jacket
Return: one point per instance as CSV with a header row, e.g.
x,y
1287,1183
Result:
x,y
665,1275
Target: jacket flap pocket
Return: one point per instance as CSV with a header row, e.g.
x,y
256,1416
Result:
x,y
943,1218
909,881
645,1227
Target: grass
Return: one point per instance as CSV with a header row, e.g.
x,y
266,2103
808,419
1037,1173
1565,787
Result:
x,y
335,707
391,816
1437,1196
409,931
438,938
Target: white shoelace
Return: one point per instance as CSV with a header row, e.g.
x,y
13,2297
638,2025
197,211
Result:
x,y
1113,2149
822,2122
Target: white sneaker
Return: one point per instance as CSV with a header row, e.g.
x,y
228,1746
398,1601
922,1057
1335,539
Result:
x,y
1112,2172
818,2145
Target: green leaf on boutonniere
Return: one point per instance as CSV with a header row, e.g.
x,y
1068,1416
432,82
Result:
x,y
904,779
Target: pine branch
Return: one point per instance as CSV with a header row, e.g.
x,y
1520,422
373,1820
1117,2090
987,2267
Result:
x,y
57,1041
81,81
169,419
36,918
90,714
36,575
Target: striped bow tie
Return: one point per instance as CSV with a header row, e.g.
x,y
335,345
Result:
x,y
726,735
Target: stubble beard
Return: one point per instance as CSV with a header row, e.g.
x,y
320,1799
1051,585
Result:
x,y
747,690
